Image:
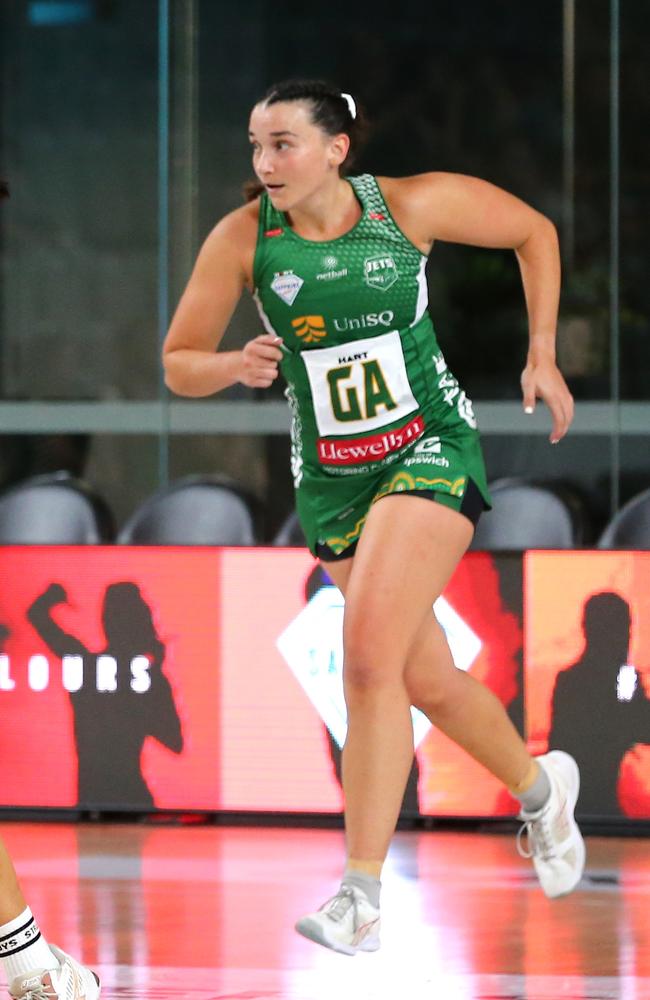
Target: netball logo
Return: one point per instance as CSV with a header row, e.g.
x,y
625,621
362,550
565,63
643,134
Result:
x,y
310,329
333,271
380,272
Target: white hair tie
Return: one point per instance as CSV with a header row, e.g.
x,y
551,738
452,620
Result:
x,y
352,108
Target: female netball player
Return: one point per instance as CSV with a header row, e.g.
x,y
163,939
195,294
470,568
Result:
x,y
386,459
34,969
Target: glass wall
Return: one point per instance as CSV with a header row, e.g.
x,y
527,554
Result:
x,y
123,137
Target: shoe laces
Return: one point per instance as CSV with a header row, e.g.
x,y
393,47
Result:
x,y
539,836
41,992
338,906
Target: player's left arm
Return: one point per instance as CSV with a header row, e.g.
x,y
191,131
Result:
x,y
460,209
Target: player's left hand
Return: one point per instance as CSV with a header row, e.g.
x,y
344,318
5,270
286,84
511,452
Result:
x,y
542,379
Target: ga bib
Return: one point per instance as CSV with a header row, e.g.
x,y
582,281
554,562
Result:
x,y
359,386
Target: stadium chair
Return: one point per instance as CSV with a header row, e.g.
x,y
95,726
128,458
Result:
x,y
54,509
630,526
196,510
290,533
527,515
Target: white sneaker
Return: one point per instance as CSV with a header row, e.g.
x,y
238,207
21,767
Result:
x,y
348,922
71,981
555,843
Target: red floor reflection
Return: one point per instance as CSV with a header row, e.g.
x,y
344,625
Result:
x,y
208,914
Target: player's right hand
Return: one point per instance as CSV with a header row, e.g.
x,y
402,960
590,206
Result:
x,y
259,361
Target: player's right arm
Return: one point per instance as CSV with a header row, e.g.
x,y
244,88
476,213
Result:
x,y
224,267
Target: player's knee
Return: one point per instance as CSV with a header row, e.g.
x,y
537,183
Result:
x,y
434,694
360,676
367,660
427,698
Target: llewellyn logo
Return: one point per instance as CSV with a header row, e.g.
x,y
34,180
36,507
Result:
x,y
369,449
333,270
368,320
310,329
286,285
380,272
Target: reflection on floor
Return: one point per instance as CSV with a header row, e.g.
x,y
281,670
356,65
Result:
x,y
207,914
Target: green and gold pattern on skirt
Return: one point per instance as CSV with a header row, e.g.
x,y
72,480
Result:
x,y
401,482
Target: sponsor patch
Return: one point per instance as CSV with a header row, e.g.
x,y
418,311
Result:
x,y
310,329
286,286
364,321
369,449
428,446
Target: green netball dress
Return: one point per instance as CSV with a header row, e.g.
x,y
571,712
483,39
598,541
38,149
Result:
x,y
375,409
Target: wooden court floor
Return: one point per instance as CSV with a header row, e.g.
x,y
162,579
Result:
x,y
207,913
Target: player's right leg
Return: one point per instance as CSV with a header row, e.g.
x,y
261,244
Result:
x,y
385,606
35,969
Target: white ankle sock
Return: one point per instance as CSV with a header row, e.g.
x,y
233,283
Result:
x,y
536,797
367,883
22,947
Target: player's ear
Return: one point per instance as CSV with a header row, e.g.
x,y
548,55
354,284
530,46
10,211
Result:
x,y
339,148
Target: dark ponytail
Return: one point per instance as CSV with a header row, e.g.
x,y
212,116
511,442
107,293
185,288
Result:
x,y
329,110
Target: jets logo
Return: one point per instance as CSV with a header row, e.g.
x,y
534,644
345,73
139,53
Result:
x,y
380,272
310,329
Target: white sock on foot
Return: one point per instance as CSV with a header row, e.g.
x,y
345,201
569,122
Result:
x,y
536,797
367,883
23,948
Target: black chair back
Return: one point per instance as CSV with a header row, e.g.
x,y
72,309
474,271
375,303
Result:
x,y
197,510
290,533
630,526
527,515
54,509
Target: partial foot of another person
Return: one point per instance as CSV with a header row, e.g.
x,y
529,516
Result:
x,y
555,843
348,922
71,981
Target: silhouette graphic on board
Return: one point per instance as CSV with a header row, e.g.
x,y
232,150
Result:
x,y
599,709
119,696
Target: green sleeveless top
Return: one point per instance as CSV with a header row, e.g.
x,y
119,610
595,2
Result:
x,y
365,375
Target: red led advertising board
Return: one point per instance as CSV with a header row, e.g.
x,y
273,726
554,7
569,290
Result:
x,y
587,656
109,677
210,679
281,684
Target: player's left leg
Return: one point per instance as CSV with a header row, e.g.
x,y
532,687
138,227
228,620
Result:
x,y
473,717
32,967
